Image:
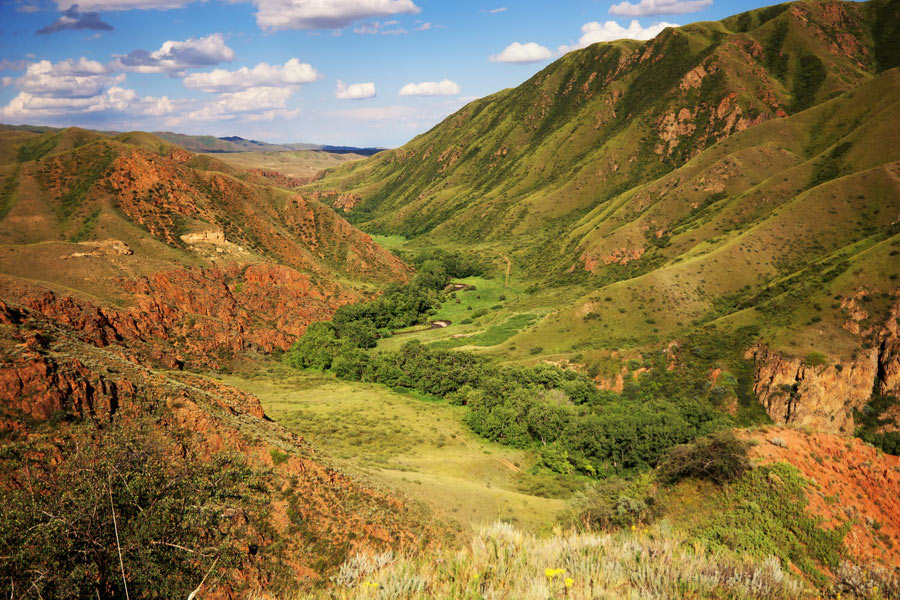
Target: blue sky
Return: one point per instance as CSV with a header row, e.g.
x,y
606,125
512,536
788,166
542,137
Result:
x,y
270,69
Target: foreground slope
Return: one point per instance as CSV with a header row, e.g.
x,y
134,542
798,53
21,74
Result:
x,y
124,261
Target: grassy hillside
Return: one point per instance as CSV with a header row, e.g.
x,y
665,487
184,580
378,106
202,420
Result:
x,y
717,173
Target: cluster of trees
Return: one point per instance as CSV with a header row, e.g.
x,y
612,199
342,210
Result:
x,y
361,325
574,426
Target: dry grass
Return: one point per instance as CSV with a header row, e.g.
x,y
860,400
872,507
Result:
x,y
502,562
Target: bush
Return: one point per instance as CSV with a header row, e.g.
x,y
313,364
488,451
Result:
x,y
719,457
174,515
613,503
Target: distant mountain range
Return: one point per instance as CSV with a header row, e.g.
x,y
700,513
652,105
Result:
x,y
212,144
233,143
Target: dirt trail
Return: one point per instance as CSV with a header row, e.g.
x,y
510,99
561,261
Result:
x,y
508,269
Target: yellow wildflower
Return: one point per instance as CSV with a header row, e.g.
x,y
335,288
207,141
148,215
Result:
x,y
551,573
569,582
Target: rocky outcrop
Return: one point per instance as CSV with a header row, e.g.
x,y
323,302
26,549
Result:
x,y
824,396
821,397
196,317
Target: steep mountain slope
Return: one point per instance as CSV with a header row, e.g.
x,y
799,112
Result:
x,y
604,119
729,174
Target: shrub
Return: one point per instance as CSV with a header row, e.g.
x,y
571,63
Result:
x,y
816,359
613,503
719,457
128,490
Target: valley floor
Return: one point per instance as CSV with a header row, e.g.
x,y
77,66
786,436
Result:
x,y
401,442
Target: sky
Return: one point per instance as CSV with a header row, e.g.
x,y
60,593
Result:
x,y
341,72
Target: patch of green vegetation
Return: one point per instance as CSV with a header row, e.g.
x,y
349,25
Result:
x,y
87,226
816,359
776,60
719,458
86,176
37,147
496,334
764,514
8,192
869,420
808,78
831,166
885,33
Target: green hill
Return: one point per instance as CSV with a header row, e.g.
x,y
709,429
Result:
x,y
729,176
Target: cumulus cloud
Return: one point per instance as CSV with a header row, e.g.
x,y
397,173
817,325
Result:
x,y
594,32
263,75
430,88
648,8
115,99
522,53
72,19
326,14
77,87
253,104
354,91
69,78
175,57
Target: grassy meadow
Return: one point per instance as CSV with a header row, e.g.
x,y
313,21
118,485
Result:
x,y
419,447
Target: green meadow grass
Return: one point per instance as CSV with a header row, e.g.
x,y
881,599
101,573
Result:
x,y
401,442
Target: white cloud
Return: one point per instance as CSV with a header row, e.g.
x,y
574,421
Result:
x,y
494,11
6,81
174,57
648,8
115,99
262,75
424,27
69,78
354,91
71,88
103,5
594,32
522,53
430,88
253,104
326,14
